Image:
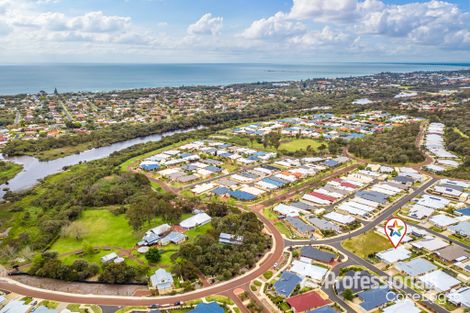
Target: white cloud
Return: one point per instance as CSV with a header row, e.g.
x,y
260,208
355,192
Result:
x,y
276,26
206,25
25,22
430,23
323,9
323,37
96,22
436,23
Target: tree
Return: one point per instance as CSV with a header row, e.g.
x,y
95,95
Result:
x,y
153,255
142,208
77,230
348,295
117,273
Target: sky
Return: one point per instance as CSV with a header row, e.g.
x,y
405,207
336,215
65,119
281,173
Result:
x,y
217,31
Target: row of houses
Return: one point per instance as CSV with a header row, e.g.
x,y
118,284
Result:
x,y
249,184
377,195
326,125
344,198
435,144
442,207
318,200
201,159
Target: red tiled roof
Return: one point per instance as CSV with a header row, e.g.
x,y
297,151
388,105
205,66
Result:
x,y
348,185
345,183
307,301
322,196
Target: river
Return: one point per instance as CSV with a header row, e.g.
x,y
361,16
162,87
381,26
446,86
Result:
x,y
35,170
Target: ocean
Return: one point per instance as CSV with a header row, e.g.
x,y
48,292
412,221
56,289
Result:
x,y
16,79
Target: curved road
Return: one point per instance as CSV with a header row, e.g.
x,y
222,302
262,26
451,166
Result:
x,y
266,263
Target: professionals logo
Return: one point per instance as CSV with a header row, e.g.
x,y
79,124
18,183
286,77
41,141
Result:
x,y
395,229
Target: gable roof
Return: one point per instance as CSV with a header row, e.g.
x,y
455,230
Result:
x,y
376,297
161,279
416,267
323,225
307,301
452,253
300,225
393,255
287,283
316,254
462,228
308,270
439,280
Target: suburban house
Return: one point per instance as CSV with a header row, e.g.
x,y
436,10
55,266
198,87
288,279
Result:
x,y
230,239
307,301
300,226
439,281
152,236
109,257
287,283
162,281
315,254
196,220
174,237
460,297
393,255
406,305
415,267
376,298
451,254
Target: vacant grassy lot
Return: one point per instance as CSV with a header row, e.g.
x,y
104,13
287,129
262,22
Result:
x,y
366,244
101,228
300,144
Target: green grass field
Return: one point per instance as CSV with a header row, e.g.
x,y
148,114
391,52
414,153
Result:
x,y
366,244
8,170
300,144
102,228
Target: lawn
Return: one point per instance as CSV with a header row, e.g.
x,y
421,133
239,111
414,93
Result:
x,y
8,170
269,213
283,229
102,228
300,144
366,244
196,232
